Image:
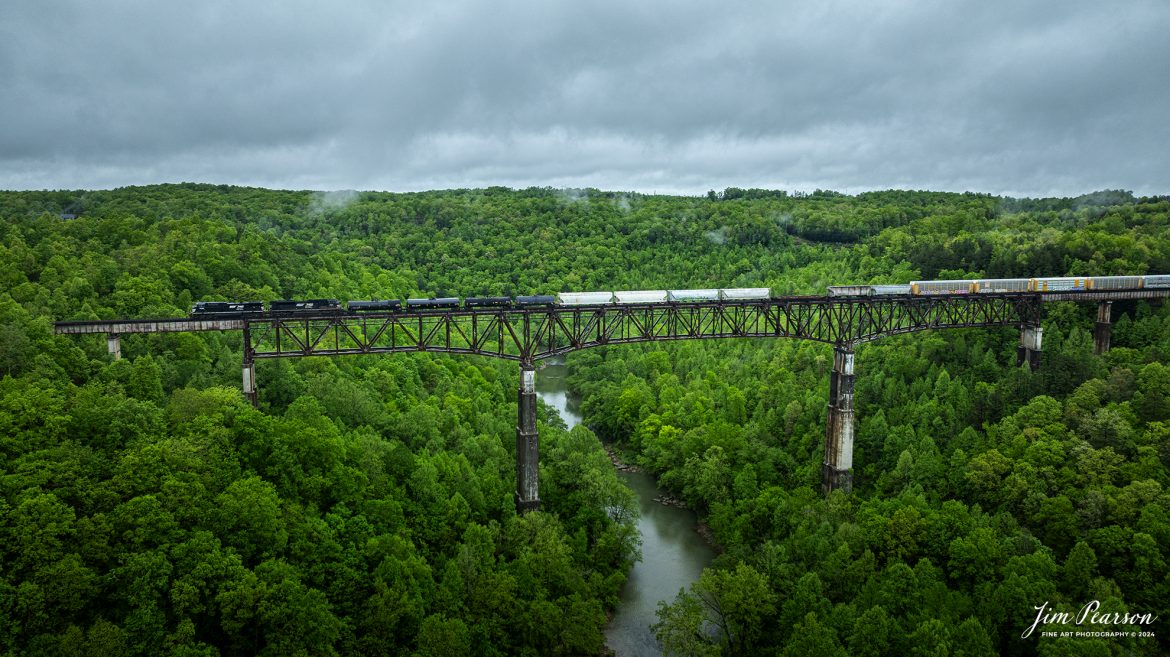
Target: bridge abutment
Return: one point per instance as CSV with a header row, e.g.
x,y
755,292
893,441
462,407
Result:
x,y
1031,341
527,443
837,472
1103,331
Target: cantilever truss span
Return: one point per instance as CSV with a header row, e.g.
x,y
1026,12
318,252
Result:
x,y
528,335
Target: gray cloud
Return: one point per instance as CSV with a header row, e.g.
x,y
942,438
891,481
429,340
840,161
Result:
x,y
1037,98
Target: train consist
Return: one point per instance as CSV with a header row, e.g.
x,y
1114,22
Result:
x,y
1006,285
333,306
652,297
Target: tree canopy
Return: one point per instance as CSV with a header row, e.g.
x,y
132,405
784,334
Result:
x,y
366,506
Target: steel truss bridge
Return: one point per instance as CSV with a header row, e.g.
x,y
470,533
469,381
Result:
x,y
531,334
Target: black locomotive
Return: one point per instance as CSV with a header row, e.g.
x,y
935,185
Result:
x,y
232,308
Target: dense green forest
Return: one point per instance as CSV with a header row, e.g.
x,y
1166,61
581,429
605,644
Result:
x,y
366,506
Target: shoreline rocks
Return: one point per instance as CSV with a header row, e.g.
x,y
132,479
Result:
x,y
618,464
671,501
704,530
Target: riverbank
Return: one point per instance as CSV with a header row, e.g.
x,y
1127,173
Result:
x,y
675,546
618,463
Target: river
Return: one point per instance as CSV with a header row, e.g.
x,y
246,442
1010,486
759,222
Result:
x,y
673,552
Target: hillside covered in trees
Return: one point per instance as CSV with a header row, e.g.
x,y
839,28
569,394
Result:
x,y
366,506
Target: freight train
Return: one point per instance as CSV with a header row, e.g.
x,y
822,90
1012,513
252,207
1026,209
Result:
x,y
651,297
333,306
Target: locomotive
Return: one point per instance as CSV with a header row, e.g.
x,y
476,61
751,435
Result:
x,y
232,308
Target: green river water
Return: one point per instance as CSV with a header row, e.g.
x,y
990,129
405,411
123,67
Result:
x,y
673,552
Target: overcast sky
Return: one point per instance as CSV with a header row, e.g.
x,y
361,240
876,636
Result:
x,y
1017,97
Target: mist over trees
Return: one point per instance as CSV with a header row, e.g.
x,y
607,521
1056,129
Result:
x,y
366,506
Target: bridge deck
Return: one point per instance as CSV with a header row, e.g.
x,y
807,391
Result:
x,y
148,325
174,324
1106,295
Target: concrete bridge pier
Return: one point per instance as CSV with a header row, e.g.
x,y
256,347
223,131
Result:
x,y
837,472
250,382
114,345
1031,339
1103,331
249,371
527,443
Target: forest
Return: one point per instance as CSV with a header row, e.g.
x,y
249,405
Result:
x,y
365,507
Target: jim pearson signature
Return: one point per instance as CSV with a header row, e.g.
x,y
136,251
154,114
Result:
x,y
1087,614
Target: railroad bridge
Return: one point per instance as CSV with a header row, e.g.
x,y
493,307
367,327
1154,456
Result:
x,y
531,334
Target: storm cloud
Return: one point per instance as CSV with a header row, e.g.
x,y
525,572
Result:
x,y
1053,97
